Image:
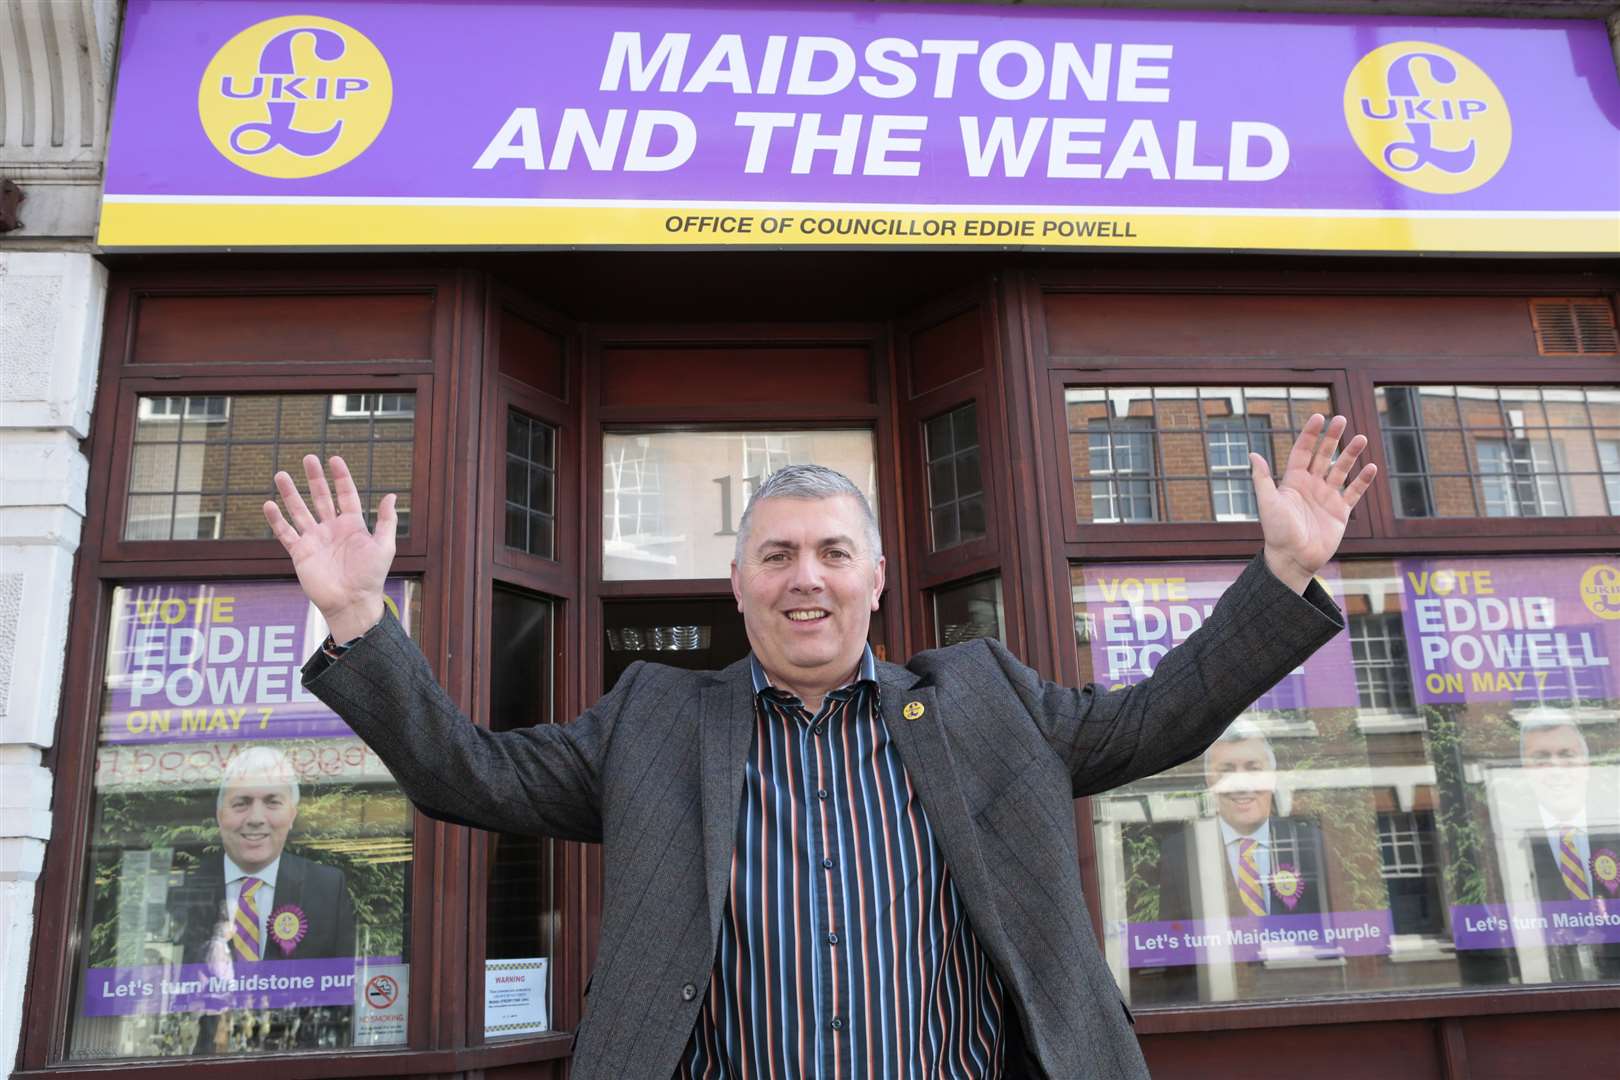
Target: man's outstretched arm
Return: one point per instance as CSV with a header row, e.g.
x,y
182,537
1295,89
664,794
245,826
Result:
x,y
1268,622
544,779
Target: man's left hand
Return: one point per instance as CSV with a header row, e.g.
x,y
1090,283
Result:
x,y
1303,517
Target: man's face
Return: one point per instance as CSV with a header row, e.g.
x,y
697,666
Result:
x,y
1242,780
253,823
1559,769
807,586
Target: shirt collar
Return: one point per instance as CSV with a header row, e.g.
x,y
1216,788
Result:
x,y
1551,824
1261,836
234,873
867,672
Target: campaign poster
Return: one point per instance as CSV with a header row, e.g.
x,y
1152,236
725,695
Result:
x,y
249,854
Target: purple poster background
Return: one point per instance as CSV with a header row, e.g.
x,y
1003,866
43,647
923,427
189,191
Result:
x,y
460,69
263,984
1191,941
205,662
1136,612
1533,629
1555,922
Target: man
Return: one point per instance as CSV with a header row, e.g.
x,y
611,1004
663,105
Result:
x,y
257,901
1567,852
816,864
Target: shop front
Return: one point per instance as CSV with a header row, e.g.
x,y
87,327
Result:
x,y
572,280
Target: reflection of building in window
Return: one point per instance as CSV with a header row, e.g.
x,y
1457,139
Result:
x,y
1230,441
632,491
1519,478
763,455
1609,462
1497,451
1411,873
201,409
1378,651
382,406
1121,460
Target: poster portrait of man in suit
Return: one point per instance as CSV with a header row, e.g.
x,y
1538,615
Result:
x,y
1270,862
1567,851
255,900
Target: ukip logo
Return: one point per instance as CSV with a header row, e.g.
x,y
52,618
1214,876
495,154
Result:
x,y
1427,117
295,96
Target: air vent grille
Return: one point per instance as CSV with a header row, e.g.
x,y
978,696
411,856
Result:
x,y
1574,327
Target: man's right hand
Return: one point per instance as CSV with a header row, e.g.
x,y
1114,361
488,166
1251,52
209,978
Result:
x,y
341,564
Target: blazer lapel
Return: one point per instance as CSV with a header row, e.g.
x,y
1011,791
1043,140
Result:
x,y
923,748
727,727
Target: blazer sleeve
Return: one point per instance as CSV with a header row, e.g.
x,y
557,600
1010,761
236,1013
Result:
x,y
1259,631
544,779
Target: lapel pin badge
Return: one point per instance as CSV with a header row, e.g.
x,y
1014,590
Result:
x,y
913,710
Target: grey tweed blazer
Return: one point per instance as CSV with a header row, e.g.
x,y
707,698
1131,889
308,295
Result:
x,y
654,770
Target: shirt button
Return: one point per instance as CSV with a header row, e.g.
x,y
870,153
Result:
x,y
832,939
819,728
827,863
837,1024
688,992
821,794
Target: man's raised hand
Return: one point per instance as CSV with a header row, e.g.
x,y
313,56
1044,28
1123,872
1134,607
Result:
x,y
1303,517
341,564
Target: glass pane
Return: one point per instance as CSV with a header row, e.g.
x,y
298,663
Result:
x,y
1395,814
672,500
521,909
937,435
248,855
970,514
1486,451
941,482
224,451
530,484
964,612
1188,446
946,533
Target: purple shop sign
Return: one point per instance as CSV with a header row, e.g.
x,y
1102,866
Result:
x,y
270,123
1550,922
262,984
1522,630
1248,938
216,662
1135,613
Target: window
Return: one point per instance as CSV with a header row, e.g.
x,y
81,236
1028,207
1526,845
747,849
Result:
x,y
362,406
1178,453
1406,808
1231,439
249,858
1609,461
672,501
1519,478
1500,451
1406,846
955,483
968,611
207,476
531,481
1383,680
1119,451
199,409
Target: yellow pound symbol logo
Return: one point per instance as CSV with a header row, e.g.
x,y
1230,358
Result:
x,y
295,96
1427,117
1600,591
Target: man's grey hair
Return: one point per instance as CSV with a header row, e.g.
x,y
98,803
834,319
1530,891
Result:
x,y
1243,730
258,766
1547,723
809,482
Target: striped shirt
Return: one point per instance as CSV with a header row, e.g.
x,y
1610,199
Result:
x,y
844,949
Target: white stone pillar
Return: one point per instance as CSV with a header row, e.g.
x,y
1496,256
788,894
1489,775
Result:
x,y
51,307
